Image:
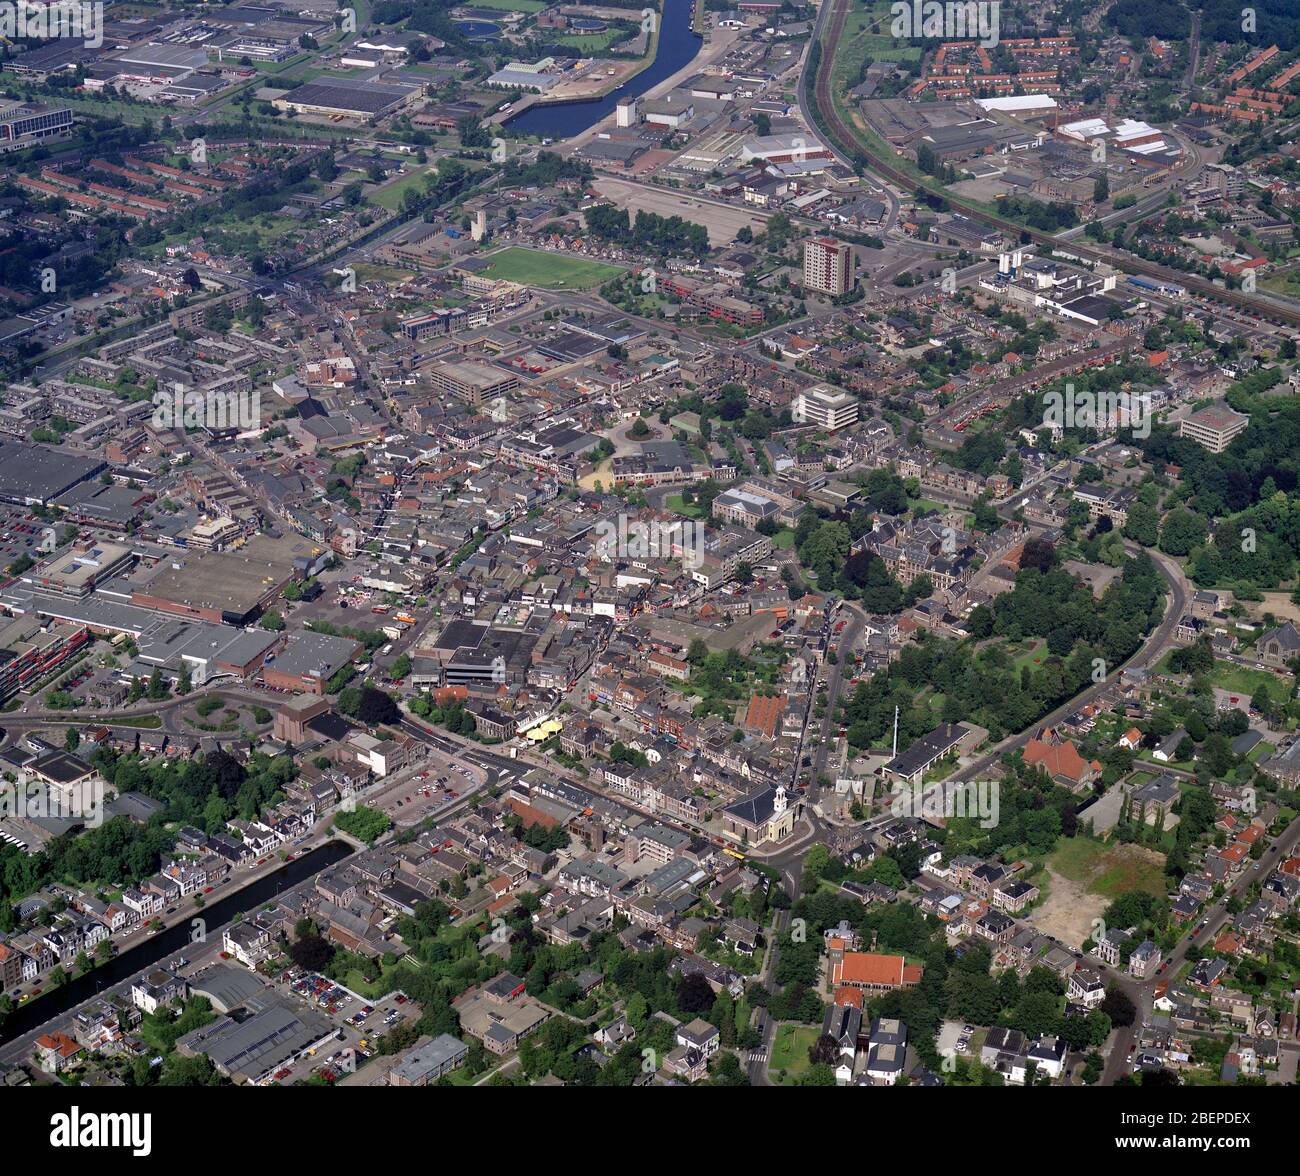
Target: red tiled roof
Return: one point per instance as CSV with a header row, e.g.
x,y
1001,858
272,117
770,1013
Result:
x,y
1058,759
869,968
61,1043
764,714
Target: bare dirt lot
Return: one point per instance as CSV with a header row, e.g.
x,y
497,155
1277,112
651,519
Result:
x,y
1068,913
1277,603
1085,877
722,222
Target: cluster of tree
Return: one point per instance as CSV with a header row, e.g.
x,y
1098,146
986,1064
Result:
x,y
1251,492
118,852
982,684
664,235
547,169
207,790
547,838
364,823
370,705
1166,19
1047,218
452,717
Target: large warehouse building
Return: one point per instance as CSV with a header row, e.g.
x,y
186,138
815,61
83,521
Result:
x,y
32,475
352,99
472,381
228,586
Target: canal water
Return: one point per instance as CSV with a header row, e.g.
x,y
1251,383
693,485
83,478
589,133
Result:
x,y
174,939
678,45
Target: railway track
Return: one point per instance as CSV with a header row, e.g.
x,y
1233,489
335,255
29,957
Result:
x,y
847,143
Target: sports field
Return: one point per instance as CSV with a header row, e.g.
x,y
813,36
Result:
x,y
548,271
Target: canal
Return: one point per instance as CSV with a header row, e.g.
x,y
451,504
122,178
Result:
x,y
678,45
52,1004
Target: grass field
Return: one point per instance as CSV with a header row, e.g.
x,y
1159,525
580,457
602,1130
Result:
x,y
549,271
1244,681
1083,876
1031,655
390,195
1107,870
689,509
382,273
1287,282
1239,679
592,43
790,1051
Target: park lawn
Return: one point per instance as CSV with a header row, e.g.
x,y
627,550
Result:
x,y
783,540
790,1051
1030,655
1107,870
382,273
390,195
690,509
550,271
1245,681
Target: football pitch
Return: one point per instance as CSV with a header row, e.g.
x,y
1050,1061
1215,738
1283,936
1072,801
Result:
x,y
548,271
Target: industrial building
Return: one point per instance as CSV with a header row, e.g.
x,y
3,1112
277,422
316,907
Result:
x,y
352,99
25,122
33,475
227,586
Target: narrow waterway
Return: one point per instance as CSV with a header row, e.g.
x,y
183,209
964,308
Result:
x,y
678,45
53,1003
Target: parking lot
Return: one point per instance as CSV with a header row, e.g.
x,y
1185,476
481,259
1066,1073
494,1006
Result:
x,y
21,533
959,1037
362,1024
427,793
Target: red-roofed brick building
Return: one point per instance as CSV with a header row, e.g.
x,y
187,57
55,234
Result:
x,y
872,972
1062,762
764,714
56,1052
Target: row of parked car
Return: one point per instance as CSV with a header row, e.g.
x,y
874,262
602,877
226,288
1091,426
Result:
x,y
319,989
